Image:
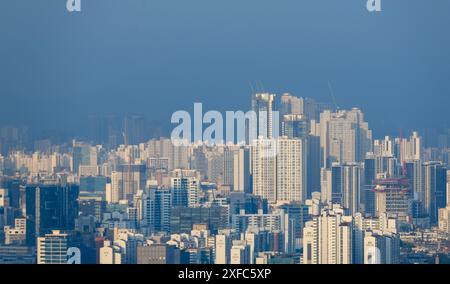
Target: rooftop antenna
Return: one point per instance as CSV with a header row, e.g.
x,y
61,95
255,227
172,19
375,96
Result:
x,y
332,95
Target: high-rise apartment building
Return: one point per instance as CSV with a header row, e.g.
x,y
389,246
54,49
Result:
x,y
264,169
290,104
411,149
433,196
383,226
414,175
345,137
240,252
267,123
83,155
279,169
295,126
291,175
384,148
127,181
327,239
52,248
346,186
326,185
222,248
381,248
176,155
185,191
133,129
306,107
444,219
156,207
237,168
448,186
313,165
110,253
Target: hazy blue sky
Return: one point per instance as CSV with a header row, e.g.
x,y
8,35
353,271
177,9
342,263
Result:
x,y
153,57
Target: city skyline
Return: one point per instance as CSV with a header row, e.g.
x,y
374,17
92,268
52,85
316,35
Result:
x,y
224,132
319,192
384,63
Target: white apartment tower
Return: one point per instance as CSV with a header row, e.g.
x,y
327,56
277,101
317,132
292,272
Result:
x,y
236,168
327,239
384,148
448,187
52,248
264,169
291,170
381,248
240,252
344,136
279,169
411,149
222,249
186,186
444,219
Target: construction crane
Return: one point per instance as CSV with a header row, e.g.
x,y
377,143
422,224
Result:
x,y
332,95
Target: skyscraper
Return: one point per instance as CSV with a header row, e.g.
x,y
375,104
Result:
x,y
133,129
384,148
448,186
295,126
279,169
291,170
177,156
237,168
306,107
157,203
264,169
185,191
83,155
434,189
313,164
127,181
381,248
327,239
414,175
411,149
111,253
368,197
346,186
222,248
240,252
50,207
262,105
345,137
291,105
444,219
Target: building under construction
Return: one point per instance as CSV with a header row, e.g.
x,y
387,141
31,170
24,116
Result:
x,y
393,197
